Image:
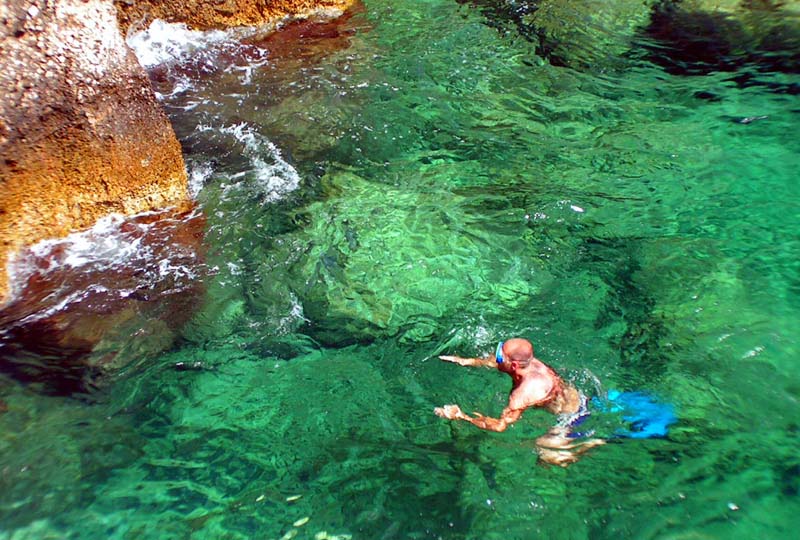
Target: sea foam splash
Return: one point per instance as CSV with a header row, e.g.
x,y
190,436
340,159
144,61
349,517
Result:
x,y
170,44
199,174
165,42
270,176
120,254
187,57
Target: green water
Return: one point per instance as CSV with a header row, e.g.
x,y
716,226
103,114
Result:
x,y
454,189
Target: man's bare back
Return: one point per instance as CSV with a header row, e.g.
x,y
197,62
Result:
x,y
534,384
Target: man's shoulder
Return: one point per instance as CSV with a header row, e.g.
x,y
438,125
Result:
x,y
530,392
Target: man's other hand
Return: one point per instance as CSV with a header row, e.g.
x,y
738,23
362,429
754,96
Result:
x,y
456,360
451,412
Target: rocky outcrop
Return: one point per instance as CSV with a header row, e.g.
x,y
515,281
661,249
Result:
x,y
686,36
82,136
204,15
587,34
581,34
698,36
81,133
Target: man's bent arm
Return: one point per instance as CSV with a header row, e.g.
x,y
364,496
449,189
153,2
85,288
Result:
x,y
509,416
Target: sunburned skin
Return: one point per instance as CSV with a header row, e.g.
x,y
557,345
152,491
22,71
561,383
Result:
x,y
534,384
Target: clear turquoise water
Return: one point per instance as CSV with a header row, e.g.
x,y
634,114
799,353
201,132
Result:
x,y
453,189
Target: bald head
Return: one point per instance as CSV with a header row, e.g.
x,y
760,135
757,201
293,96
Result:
x,y
518,350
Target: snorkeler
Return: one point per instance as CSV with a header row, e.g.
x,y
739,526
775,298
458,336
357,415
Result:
x,y
534,385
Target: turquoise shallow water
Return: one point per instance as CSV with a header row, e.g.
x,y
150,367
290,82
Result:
x,y
411,182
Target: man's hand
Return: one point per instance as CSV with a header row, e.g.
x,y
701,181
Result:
x,y
456,360
451,412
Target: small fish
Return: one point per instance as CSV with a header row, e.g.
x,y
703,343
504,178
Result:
x,y
750,119
291,533
292,498
302,521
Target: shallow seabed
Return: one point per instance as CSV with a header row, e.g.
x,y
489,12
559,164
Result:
x,y
412,182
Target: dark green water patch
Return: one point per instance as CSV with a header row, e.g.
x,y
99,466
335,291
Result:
x,y
696,40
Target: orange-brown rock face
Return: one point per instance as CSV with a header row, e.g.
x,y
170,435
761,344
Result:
x,y
204,15
81,133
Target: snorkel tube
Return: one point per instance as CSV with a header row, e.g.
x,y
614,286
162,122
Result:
x,y
498,354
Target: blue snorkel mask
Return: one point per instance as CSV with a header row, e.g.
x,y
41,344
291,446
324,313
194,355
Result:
x,y
498,354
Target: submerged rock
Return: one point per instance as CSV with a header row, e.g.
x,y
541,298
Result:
x,y
581,34
434,263
691,36
586,34
698,36
100,300
81,133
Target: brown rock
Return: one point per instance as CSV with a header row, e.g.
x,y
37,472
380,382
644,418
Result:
x,y
81,133
203,15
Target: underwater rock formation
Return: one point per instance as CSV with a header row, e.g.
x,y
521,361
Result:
x,y
581,34
691,36
201,15
81,133
101,299
698,36
344,299
586,34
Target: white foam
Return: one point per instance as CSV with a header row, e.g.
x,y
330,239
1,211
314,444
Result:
x,y
270,175
182,84
62,303
294,318
103,243
105,246
199,173
165,42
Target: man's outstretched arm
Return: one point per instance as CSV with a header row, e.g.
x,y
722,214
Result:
x,y
454,412
488,361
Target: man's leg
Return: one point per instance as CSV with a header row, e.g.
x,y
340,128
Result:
x,y
557,448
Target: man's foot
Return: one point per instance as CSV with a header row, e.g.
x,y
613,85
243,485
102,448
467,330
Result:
x,y
562,458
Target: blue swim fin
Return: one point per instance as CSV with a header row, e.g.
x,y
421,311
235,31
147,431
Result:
x,y
647,417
